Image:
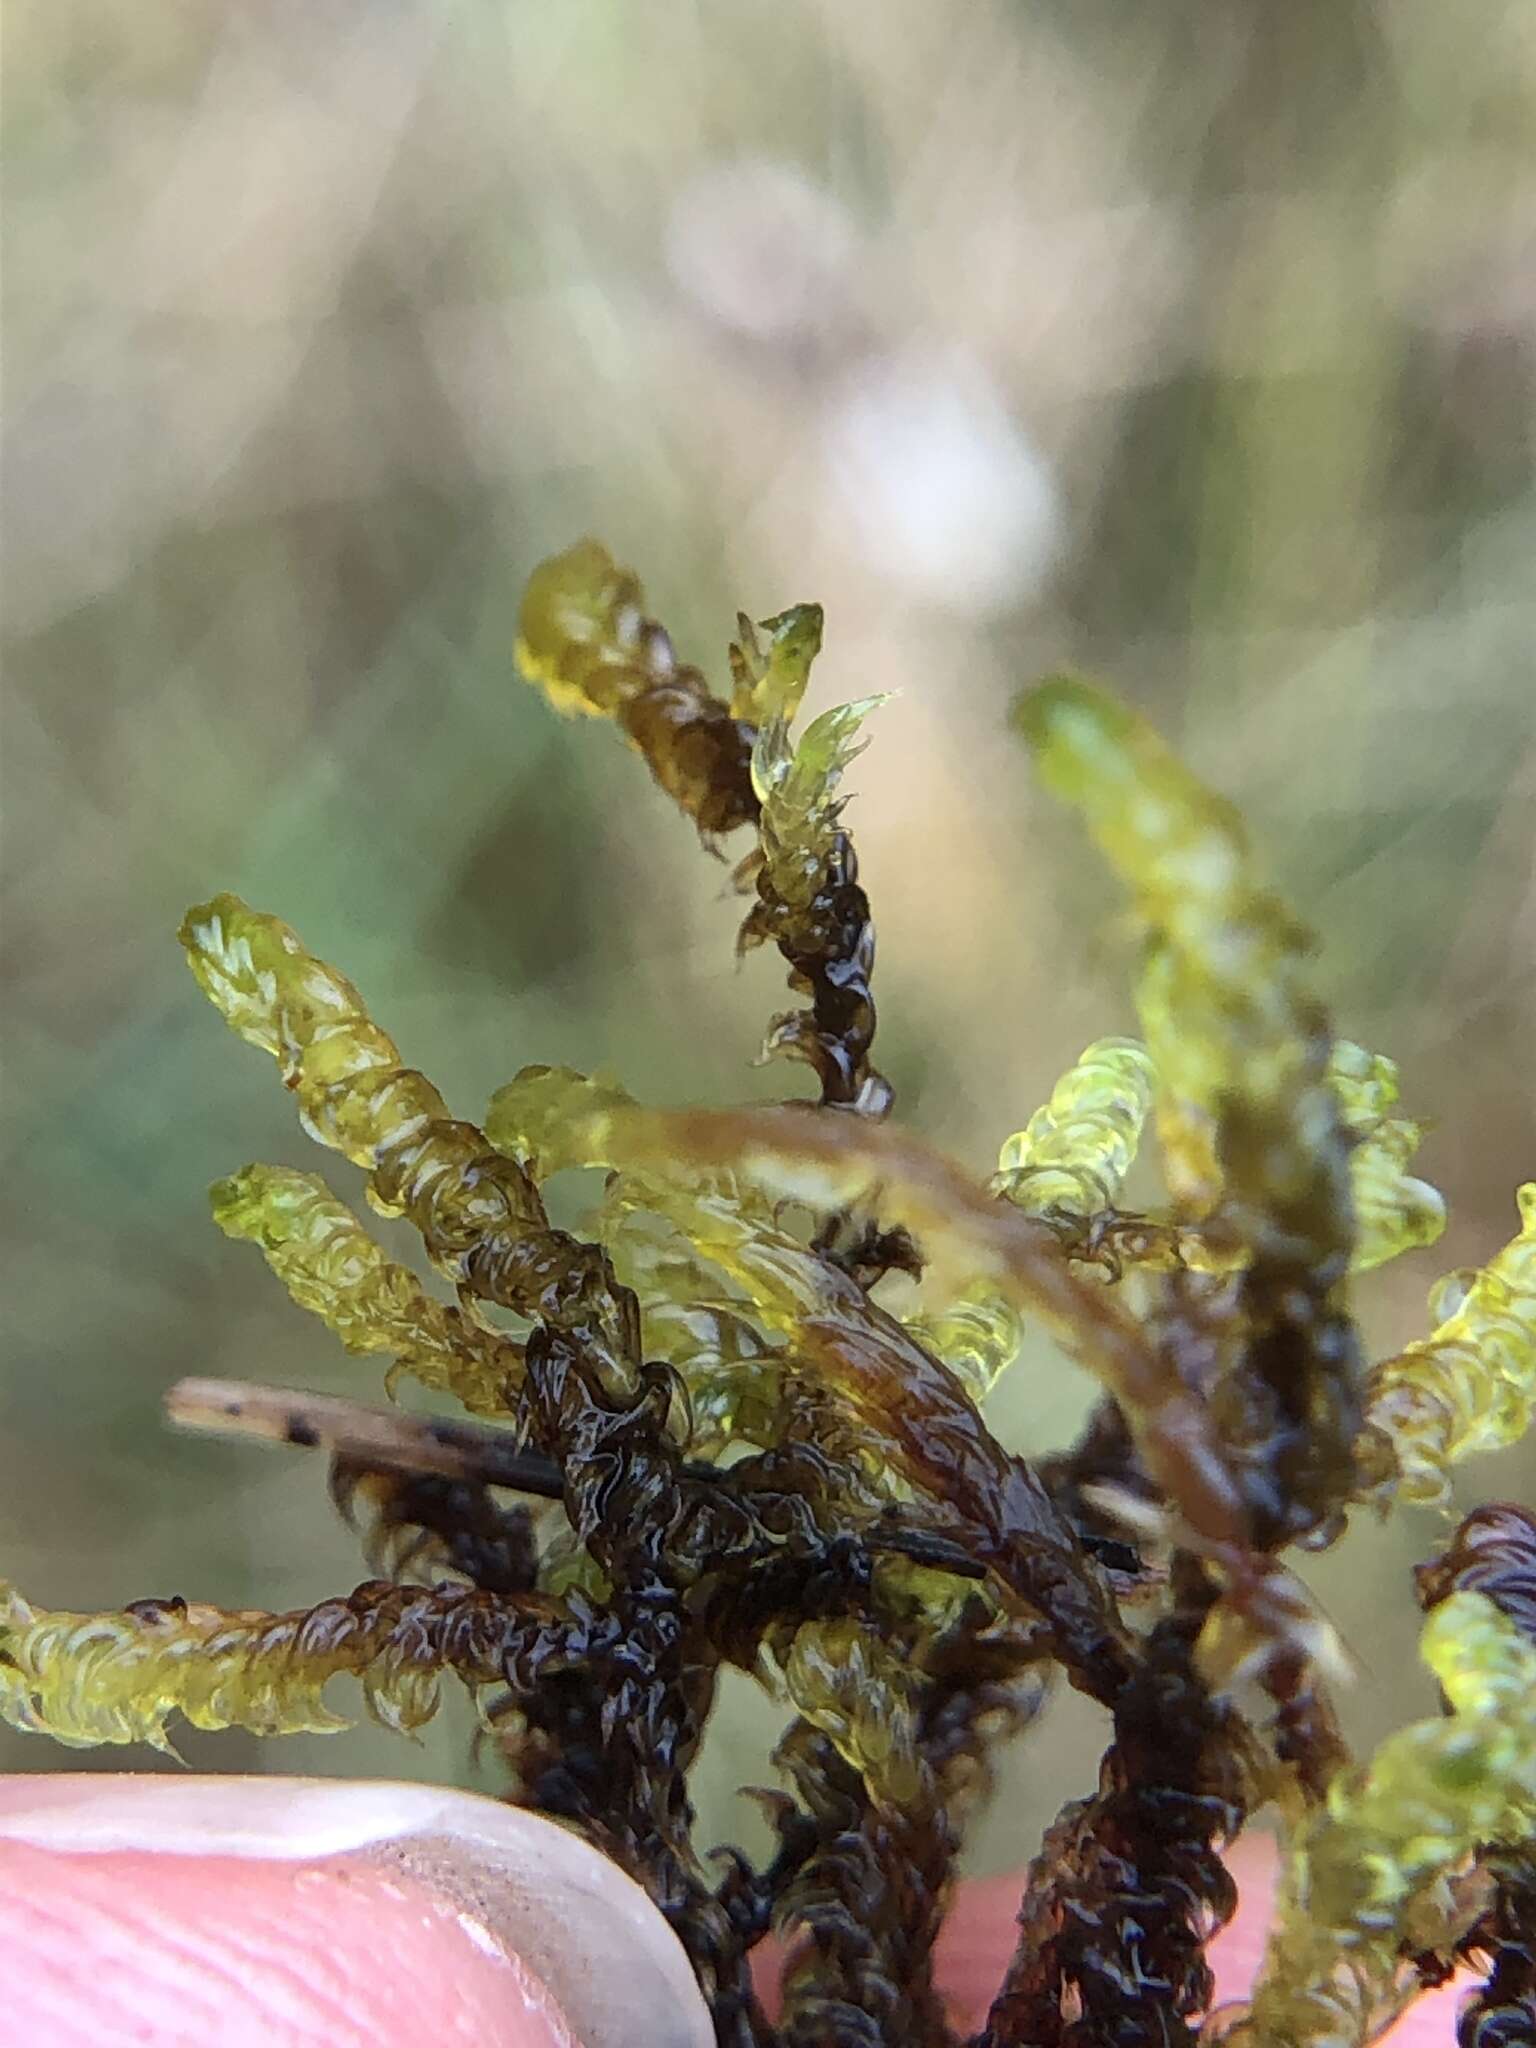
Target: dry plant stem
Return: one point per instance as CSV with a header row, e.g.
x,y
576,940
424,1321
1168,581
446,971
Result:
x,y
385,1439
378,1437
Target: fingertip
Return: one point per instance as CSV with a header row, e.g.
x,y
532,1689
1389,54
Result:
x,y
181,1951
312,1914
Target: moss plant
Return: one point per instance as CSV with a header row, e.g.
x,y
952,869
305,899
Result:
x,y
713,1430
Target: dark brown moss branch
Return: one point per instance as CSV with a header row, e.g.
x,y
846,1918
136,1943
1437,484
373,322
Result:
x,y
1291,1403
1130,1885
1493,1552
868,1900
1502,2012
421,1524
811,905
609,1742
873,1851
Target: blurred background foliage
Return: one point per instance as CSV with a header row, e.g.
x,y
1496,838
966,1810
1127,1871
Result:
x,y
1191,343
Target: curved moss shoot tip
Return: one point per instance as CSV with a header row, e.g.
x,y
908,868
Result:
x,y
1075,729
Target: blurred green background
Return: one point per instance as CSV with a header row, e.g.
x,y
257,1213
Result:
x,y
1193,343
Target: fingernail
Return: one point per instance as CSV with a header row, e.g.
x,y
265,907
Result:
x,y
520,1887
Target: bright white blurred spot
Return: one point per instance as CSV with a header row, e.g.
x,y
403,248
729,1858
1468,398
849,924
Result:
x,y
757,246
480,1936
944,493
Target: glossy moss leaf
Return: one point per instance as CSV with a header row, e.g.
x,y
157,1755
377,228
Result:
x,y
554,1118
1362,1869
810,905
1069,1164
853,1683
769,678
1394,1211
585,639
478,1211
1246,1113
1076,1150
122,1677
1224,997
1471,1384
977,1333
332,1267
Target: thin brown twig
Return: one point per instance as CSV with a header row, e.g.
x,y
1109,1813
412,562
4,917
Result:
x,y
352,1429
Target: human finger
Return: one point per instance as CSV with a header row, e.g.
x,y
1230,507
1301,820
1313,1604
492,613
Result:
x,y
294,1913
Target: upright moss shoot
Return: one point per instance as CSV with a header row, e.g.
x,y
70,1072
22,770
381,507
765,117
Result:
x,y
712,1431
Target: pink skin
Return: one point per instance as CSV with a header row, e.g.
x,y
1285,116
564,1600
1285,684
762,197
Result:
x,y
188,1950
131,1946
